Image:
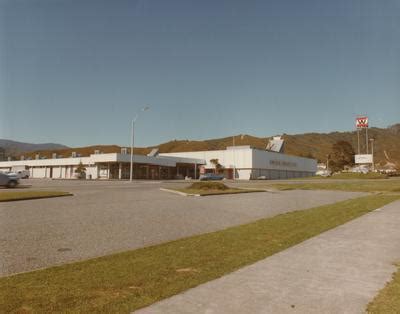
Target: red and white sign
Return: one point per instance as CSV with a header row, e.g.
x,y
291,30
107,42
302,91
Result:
x,y
361,122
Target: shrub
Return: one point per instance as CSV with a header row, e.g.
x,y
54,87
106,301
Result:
x,y
208,186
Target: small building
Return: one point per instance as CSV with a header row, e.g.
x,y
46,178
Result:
x,y
360,169
322,170
388,168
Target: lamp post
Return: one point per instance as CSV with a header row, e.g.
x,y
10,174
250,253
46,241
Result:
x,y
234,158
133,140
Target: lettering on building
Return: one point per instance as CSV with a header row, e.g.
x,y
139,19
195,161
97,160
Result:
x,y
282,163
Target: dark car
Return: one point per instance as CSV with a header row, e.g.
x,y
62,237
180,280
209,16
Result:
x,y
211,177
9,180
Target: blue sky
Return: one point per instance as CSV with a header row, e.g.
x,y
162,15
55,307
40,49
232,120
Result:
x,y
76,71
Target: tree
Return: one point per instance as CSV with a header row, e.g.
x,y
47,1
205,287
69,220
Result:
x,y
216,164
80,171
342,155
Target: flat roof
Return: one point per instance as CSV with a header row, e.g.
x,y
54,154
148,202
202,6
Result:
x,y
169,161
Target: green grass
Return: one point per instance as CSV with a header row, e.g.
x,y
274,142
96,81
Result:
x,y
127,281
348,176
8,196
388,299
351,175
358,186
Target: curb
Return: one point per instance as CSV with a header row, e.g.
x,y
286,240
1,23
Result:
x,y
33,198
259,190
205,195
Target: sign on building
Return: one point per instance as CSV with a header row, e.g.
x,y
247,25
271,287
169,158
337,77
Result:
x,y
362,122
363,159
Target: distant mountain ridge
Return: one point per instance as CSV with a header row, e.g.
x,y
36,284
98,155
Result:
x,y
316,145
14,147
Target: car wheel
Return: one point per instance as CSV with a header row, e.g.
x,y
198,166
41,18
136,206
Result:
x,y
12,184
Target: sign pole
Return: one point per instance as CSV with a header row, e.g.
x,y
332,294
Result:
x,y
372,153
234,158
366,158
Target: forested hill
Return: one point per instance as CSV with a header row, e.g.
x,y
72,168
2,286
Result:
x,y
317,145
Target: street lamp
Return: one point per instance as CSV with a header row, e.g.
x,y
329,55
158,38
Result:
x,y
132,140
234,158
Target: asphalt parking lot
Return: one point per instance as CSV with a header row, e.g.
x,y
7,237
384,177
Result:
x,y
105,217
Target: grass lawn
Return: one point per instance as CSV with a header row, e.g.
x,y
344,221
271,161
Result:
x,y
348,175
388,299
123,282
392,185
8,196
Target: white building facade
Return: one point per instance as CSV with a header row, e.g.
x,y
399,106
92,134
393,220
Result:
x,y
107,166
239,162
248,163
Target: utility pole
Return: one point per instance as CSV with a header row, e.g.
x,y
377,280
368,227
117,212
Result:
x,y
132,144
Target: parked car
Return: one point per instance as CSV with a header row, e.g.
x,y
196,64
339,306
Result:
x,y
23,174
211,176
9,180
12,174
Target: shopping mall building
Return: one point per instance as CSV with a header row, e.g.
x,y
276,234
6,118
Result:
x,y
239,162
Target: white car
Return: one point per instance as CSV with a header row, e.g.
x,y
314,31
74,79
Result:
x,y
23,174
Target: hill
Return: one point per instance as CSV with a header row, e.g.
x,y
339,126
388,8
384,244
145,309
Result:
x,y
16,148
316,145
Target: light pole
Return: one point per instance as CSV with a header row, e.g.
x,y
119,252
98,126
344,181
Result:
x,y
132,140
234,158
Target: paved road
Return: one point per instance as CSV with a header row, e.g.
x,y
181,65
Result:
x,y
339,271
107,217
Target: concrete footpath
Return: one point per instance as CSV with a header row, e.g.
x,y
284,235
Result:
x,y
339,271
